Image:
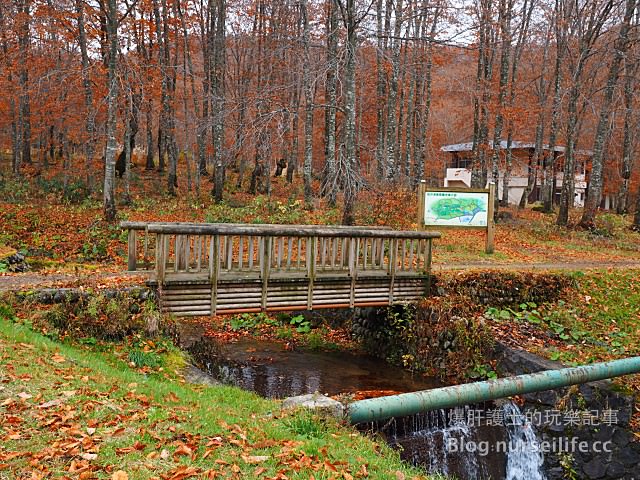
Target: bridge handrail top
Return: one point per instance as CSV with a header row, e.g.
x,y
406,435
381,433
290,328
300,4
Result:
x,y
285,230
140,225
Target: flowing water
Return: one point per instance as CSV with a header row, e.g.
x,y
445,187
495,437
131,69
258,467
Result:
x,y
459,442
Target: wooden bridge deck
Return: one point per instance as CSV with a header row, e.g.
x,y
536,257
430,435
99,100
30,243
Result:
x,y
204,269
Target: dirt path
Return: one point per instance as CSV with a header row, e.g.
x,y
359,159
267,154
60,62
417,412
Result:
x,y
27,281
519,267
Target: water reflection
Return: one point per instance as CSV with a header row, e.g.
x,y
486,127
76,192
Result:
x,y
270,370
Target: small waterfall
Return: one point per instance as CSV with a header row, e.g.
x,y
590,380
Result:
x,y
469,450
524,459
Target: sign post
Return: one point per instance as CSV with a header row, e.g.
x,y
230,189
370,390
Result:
x,y
467,208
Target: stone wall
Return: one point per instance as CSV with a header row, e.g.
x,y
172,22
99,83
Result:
x,y
50,296
593,413
433,340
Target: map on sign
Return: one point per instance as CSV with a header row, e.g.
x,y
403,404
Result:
x,y
461,209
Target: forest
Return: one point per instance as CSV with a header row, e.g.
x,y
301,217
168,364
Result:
x,y
347,95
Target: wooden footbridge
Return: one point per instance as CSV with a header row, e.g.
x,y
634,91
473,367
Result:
x,y
204,269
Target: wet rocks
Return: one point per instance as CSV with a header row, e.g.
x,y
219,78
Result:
x,y
16,263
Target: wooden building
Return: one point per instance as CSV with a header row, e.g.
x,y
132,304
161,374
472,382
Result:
x,y
460,158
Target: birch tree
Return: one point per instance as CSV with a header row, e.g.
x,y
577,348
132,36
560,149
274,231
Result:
x,y
587,23
594,191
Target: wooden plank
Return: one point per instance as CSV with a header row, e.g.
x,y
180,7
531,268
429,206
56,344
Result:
x,y
354,244
266,267
411,267
365,248
146,250
132,257
334,251
311,268
198,252
421,192
240,251
489,247
160,259
250,240
229,244
429,254
280,249
404,254
176,251
393,247
289,252
286,230
214,271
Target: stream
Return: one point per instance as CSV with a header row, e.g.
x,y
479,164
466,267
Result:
x,y
449,442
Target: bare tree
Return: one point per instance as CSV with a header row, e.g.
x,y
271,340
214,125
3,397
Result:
x,y
391,166
109,202
486,54
330,185
631,71
351,19
307,87
594,192
586,22
505,12
90,144
218,97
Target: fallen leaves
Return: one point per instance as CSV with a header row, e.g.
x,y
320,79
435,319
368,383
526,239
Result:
x,y
57,358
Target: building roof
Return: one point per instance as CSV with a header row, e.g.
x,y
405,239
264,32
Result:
x,y
515,144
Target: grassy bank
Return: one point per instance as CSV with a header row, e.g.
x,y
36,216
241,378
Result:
x,y
84,412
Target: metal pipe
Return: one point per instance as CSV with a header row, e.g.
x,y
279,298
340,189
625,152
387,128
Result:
x,y
416,402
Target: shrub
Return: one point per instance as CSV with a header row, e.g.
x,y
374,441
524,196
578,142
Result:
x,y
505,288
111,317
454,341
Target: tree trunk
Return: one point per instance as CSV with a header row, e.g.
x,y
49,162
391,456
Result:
x,y
330,181
423,99
380,92
549,175
109,203
636,218
150,164
348,11
307,87
218,99
392,100
504,20
89,150
627,158
292,165
23,76
593,19
15,141
594,192
484,73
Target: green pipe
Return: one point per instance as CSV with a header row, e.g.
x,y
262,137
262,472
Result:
x,y
416,402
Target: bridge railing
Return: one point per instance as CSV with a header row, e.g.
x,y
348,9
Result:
x,y
189,253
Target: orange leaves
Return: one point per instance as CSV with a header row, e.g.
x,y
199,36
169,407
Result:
x,y
137,446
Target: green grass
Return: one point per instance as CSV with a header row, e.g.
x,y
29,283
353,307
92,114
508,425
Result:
x,y
604,311
65,408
